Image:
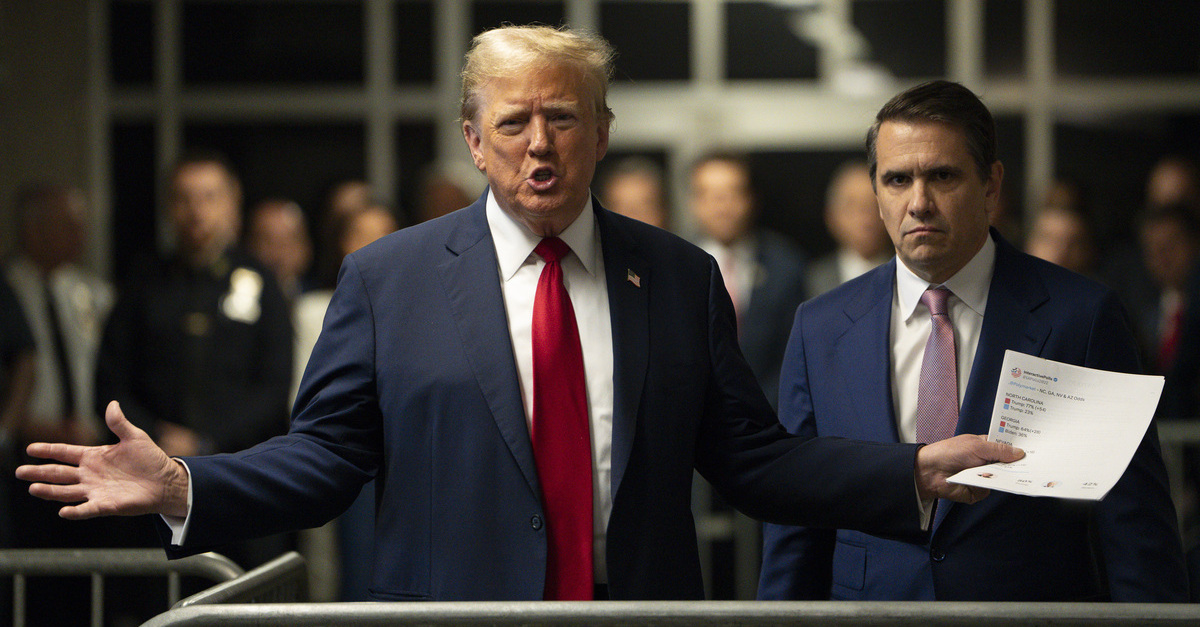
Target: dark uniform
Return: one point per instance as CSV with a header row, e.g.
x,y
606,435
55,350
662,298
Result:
x,y
15,341
209,349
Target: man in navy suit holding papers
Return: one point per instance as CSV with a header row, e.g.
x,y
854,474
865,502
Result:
x,y
912,351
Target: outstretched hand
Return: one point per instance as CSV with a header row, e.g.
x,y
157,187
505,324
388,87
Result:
x,y
129,478
938,461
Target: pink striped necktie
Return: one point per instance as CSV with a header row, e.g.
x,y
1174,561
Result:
x,y
937,394
562,445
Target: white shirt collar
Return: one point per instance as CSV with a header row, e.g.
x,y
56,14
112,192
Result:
x,y
970,284
515,243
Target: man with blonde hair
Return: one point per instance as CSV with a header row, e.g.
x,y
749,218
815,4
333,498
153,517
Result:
x,y
530,380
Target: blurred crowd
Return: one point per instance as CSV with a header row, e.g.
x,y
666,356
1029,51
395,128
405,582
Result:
x,y
205,346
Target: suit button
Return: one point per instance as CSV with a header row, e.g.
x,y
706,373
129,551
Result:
x,y
536,522
937,555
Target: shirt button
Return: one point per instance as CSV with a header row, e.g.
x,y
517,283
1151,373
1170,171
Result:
x,y
937,555
536,522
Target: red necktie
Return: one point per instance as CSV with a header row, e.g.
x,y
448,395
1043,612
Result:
x,y
1169,344
561,435
937,393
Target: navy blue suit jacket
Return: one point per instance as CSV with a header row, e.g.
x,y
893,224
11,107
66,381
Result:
x,y
413,382
837,381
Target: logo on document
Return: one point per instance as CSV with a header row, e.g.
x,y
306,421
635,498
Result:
x,y
1016,373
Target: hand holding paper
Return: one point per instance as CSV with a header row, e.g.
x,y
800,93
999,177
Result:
x,y
1079,428
938,461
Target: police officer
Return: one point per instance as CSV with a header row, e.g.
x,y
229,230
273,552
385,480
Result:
x,y
198,350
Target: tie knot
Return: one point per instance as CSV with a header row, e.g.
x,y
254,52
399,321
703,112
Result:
x,y
552,249
935,300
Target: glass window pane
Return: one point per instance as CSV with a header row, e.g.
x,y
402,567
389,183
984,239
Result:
x,y
1117,38
134,213
1010,149
492,13
131,43
1004,37
791,193
761,42
652,39
908,37
415,150
272,42
1112,156
414,42
280,159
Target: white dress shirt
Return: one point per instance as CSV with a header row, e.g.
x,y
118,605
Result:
x,y
82,302
911,325
583,276
851,265
738,263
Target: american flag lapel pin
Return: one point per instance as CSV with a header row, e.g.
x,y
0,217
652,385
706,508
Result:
x,y
633,278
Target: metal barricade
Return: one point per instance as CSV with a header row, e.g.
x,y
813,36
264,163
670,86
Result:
x,y
281,580
683,613
100,563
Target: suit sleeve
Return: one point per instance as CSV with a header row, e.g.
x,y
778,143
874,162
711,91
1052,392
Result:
x,y
777,477
309,476
1136,521
796,560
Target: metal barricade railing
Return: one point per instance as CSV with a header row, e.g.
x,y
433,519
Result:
x,y
281,580
100,563
679,613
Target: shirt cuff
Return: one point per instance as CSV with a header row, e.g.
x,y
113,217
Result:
x,y
925,505
177,525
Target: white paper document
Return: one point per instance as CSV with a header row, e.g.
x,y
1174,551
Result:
x,y
1079,427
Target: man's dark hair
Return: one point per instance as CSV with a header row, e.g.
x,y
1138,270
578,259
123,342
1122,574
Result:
x,y
193,156
947,103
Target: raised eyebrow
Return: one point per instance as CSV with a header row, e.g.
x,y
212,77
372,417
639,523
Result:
x,y
509,112
561,106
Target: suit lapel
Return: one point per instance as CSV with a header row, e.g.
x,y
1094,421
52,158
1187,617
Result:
x,y
629,280
1009,323
864,360
471,279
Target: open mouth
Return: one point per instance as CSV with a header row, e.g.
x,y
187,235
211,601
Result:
x,y
542,179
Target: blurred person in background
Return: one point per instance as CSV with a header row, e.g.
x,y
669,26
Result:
x,y
635,187
763,271
1173,179
446,186
347,197
277,235
343,199
198,350
65,307
1063,236
852,218
1169,241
